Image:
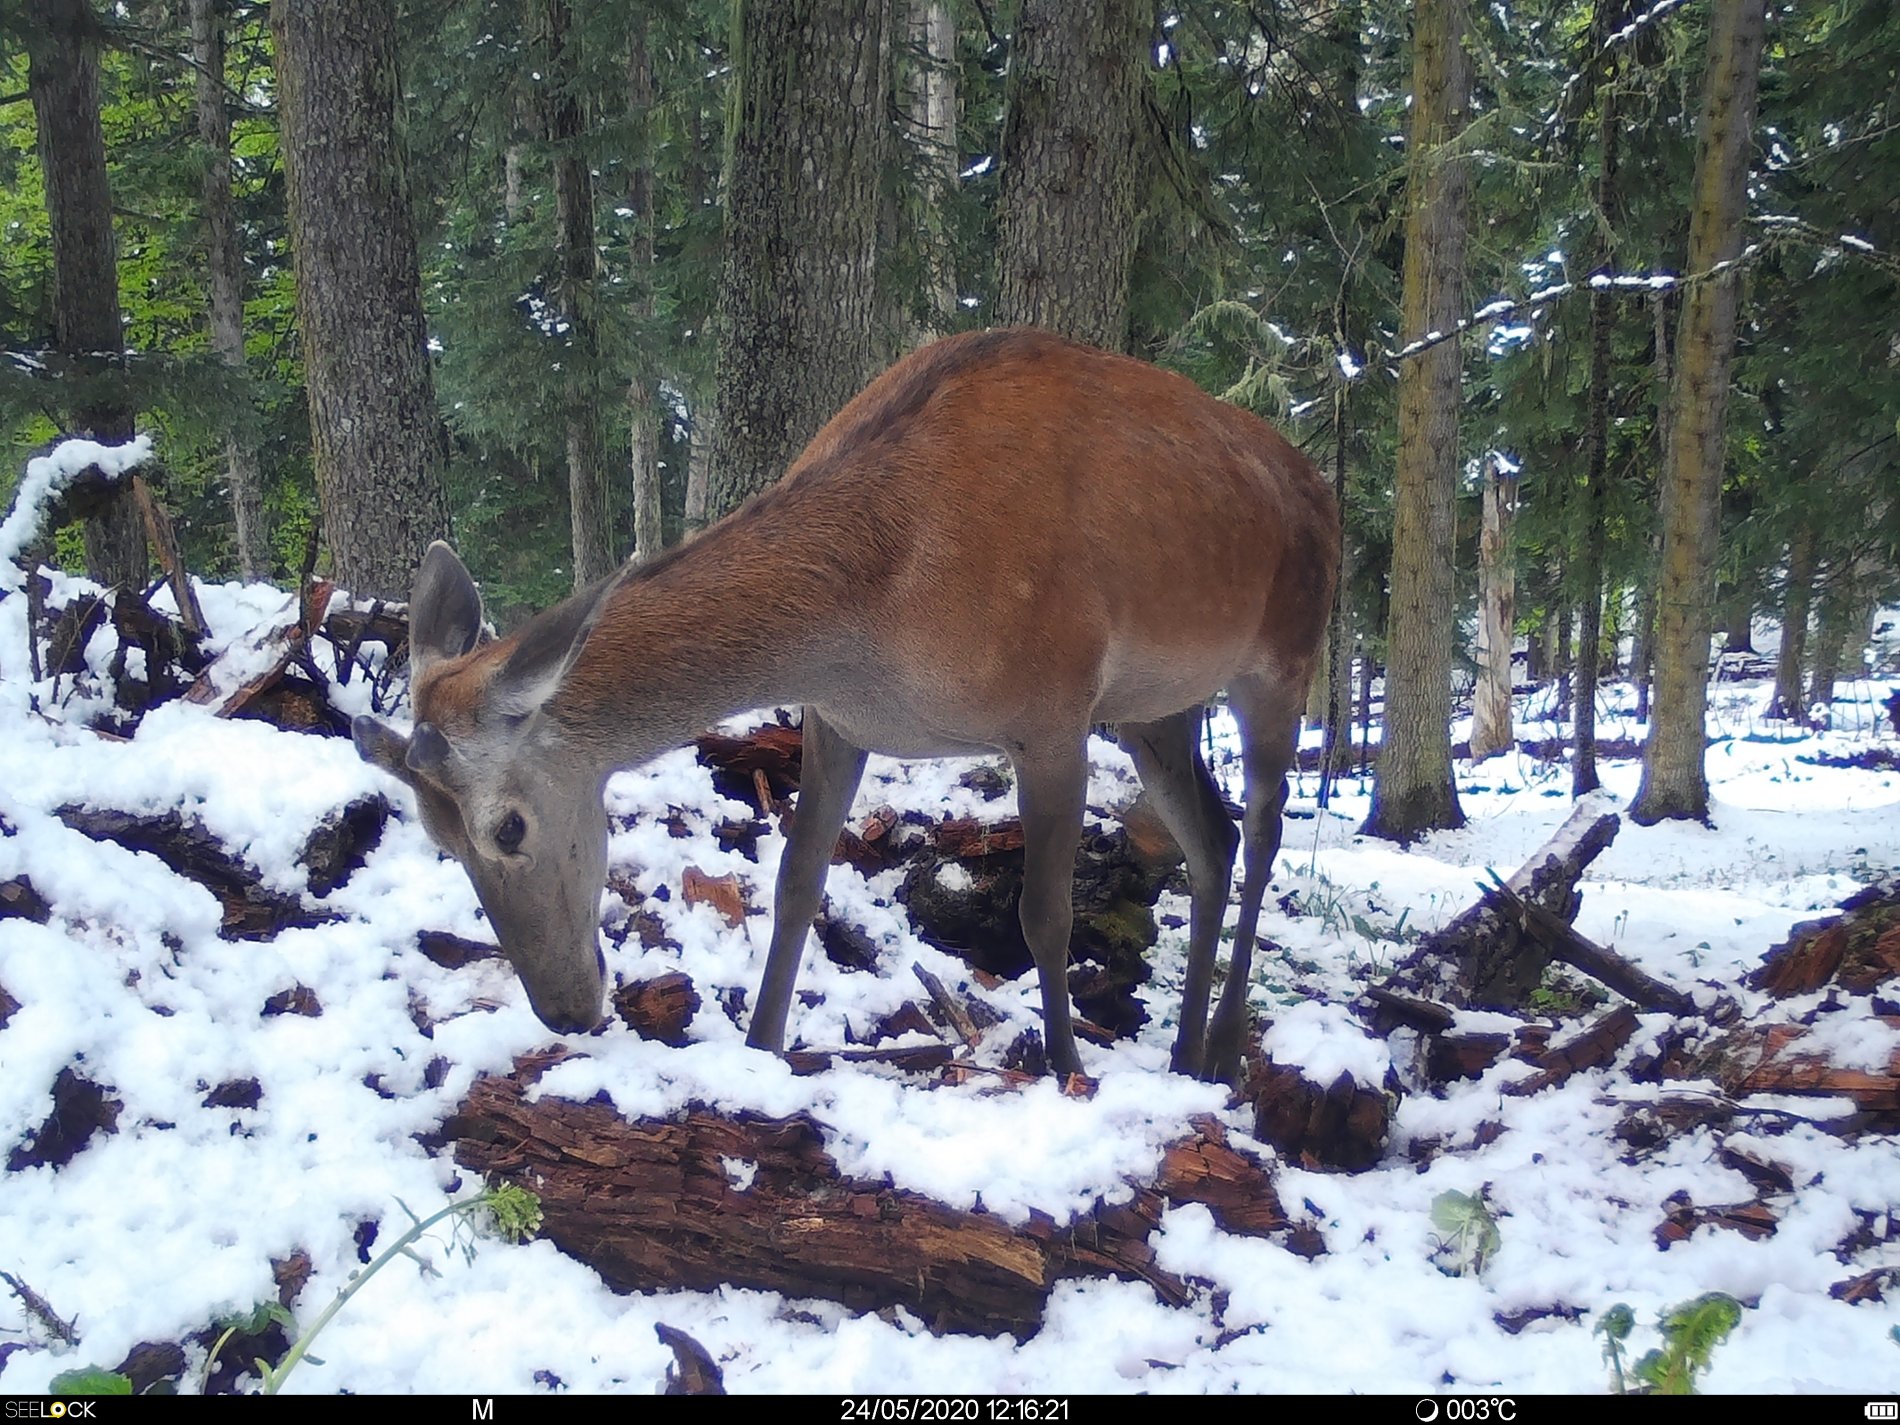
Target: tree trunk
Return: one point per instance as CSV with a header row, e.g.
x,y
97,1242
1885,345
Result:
x,y
1738,623
1068,209
1557,631
564,122
698,467
1841,617
1497,599
1790,701
376,437
649,533
62,42
1583,770
797,299
224,272
1674,780
1414,792
930,126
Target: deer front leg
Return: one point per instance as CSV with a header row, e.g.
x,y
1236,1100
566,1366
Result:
x,y
827,783
1051,787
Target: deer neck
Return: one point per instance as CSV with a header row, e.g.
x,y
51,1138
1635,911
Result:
x,y
732,621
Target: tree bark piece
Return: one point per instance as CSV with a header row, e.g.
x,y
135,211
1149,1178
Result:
x,y
250,911
1595,1045
1342,1125
660,1008
703,1200
1753,1220
1770,1059
1859,947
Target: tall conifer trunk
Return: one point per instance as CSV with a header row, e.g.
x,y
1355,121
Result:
x,y
642,396
1067,210
1491,731
1413,791
224,273
809,134
62,42
1674,781
1790,700
375,434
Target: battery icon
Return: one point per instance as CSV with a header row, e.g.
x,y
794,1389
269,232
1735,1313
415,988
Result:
x,y
1883,1409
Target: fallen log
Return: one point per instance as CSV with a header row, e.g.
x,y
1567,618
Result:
x,y
250,911
1593,1046
1495,960
706,1199
1770,1059
1859,948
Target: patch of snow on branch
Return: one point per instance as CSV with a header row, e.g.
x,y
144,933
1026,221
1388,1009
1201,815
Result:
x,y
46,476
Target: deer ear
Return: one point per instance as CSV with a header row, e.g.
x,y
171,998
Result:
x,y
380,745
547,646
445,609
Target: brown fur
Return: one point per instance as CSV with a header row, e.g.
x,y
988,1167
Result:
x,y
1002,540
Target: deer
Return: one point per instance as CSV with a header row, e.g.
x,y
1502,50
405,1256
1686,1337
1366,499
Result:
x,y
1005,540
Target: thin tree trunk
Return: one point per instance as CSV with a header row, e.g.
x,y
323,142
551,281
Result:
x,y
1790,700
1841,617
1414,792
1337,743
1643,643
642,397
698,465
564,121
797,312
930,113
1583,770
376,436
1674,781
224,266
1491,731
1562,657
1067,210
62,43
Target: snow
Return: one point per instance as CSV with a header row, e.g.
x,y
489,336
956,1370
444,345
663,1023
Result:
x,y
153,1232
46,475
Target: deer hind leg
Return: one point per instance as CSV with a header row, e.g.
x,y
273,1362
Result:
x,y
1051,788
1268,711
827,783
1167,754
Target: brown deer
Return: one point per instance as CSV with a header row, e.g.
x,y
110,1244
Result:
x,y
1004,539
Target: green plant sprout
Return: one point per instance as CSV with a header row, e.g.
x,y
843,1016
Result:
x,y
1471,1232
516,1214
1690,1332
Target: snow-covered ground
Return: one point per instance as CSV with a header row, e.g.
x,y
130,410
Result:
x,y
153,1232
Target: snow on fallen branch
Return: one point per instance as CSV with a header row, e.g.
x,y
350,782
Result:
x,y
46,479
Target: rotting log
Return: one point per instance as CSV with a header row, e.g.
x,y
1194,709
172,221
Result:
x,y
250,912
1770,1059
1494,959
1858,948
1341,1125
706,1199
1596,1044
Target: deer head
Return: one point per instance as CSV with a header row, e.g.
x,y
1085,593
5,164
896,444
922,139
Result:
x,y
502,786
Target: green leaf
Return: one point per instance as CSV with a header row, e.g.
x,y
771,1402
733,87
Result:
x,y
90,1380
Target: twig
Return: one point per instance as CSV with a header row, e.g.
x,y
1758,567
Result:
x,y
41,1310
951,1008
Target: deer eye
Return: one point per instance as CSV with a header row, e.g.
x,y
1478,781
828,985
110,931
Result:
x,y
509,831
